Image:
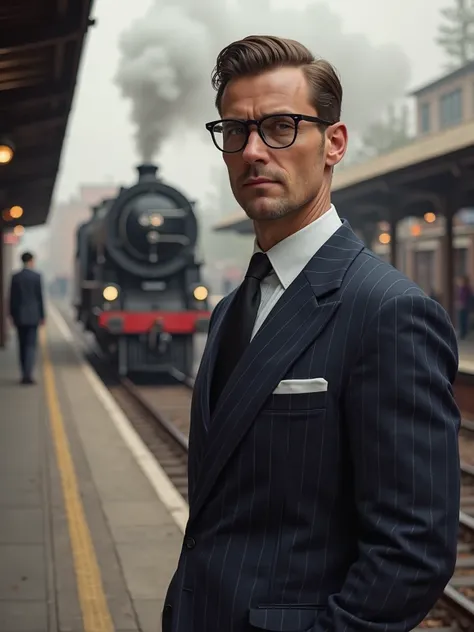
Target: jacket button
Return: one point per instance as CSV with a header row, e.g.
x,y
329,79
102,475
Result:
x,y
189,542
167,610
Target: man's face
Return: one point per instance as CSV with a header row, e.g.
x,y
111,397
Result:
x,y
295,173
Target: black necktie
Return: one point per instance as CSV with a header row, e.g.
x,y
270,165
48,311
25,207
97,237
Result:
x,y
238,323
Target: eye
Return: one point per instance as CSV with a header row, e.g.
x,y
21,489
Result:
x,y
282,125
234,129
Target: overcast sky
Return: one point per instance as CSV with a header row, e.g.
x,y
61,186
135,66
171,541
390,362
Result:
x,y
100,141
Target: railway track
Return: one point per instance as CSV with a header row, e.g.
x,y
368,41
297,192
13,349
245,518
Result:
x,y
457,603
162,430
164,427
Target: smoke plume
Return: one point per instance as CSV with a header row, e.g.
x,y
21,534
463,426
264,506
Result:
x,y
168,55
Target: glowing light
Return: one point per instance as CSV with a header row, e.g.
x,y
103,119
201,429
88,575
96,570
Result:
x,y
200,293
19,230
384,238
6,154
430,217
415,230
6,215
156,219
110,293
16,212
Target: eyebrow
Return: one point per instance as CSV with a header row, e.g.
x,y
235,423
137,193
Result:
x,y
262,115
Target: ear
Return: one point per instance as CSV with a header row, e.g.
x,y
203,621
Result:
x,y
336,143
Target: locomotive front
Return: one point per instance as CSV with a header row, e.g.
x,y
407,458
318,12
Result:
x,y
150,230
149,300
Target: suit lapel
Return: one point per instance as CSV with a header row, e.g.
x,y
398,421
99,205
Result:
x,y
294,323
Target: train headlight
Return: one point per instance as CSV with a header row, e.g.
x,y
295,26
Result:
x,y
110,293
200,293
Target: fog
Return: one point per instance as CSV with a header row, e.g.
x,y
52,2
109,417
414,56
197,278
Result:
x,y
166,58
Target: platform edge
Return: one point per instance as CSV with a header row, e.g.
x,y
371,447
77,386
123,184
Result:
x,y
161,484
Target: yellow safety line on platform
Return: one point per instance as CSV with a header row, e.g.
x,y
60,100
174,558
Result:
x,y
95,611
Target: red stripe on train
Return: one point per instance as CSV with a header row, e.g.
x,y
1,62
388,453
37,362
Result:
x,y
143,322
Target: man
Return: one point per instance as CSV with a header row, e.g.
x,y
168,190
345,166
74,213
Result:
x,y
27,312
323,456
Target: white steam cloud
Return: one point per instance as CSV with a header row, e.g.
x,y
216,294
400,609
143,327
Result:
x,y
168,55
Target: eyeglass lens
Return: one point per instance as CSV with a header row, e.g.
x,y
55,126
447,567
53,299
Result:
x,y
277,131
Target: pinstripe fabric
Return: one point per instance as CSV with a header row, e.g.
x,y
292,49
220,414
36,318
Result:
x,y
333,511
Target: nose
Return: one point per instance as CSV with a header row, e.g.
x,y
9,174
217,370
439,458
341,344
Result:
x,y
255,150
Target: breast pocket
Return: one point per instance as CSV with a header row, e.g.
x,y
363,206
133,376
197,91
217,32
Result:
x,y
286,404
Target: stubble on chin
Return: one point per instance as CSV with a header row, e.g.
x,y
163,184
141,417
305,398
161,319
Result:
x,y
259,210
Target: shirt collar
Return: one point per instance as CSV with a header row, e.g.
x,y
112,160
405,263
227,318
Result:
x,y
290,256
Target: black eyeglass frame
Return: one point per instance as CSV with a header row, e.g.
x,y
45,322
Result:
x,y
297,118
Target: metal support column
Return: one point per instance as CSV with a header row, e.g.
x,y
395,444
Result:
x,y
448,250
393,240
2,293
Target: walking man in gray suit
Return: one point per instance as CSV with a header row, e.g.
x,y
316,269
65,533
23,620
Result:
x,y
323,454
27,313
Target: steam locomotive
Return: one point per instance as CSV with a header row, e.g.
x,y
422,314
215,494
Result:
x,y
137,279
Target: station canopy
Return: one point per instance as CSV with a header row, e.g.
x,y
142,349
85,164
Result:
x,y
40,51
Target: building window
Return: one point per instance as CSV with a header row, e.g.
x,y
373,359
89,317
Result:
x,y
425,118
451,108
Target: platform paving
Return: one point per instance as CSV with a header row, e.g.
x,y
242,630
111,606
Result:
x,y
26,585
136,541
132,531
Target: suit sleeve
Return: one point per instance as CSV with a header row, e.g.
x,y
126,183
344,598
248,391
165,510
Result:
x,y
13,298
40,298
402,422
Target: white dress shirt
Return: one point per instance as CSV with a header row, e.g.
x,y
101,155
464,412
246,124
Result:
x,y
289,257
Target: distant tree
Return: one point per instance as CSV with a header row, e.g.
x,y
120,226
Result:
x,y
383,136
456,33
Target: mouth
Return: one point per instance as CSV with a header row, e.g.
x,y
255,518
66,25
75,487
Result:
x,y
253,182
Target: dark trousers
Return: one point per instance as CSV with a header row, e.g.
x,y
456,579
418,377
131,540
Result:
x,y
27,345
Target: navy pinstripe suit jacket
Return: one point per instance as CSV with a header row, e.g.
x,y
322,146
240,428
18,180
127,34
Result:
x,y
332,511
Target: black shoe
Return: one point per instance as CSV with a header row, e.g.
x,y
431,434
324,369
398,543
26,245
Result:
x,y
27,380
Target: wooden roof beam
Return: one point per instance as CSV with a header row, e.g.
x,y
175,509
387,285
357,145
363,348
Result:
x,y
40,35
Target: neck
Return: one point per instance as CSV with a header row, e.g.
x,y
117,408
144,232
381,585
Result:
x,y
271,231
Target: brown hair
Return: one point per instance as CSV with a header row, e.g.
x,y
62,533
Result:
x,y
259,53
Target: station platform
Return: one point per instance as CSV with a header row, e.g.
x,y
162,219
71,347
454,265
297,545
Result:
x,y
90,527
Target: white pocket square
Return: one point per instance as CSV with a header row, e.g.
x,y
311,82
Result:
x,y
292,387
